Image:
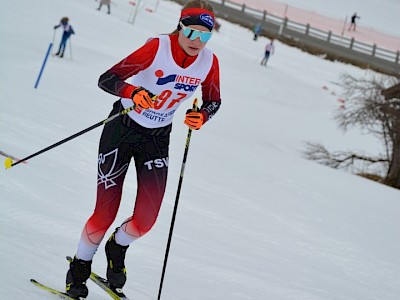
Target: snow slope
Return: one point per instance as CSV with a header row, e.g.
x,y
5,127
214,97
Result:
x,y
255,219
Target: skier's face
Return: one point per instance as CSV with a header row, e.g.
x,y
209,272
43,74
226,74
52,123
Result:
x,y
199,33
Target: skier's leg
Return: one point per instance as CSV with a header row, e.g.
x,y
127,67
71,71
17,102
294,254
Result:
x,y
113,161
59,48
266,58
62,45
151,160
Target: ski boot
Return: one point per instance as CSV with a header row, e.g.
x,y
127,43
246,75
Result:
x,y
116,272
79,271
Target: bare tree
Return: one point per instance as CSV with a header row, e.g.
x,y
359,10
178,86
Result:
x,y
367,107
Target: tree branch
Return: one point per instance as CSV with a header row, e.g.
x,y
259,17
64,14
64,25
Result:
x,y
339,159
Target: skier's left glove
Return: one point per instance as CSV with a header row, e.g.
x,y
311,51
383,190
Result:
x,y
194,119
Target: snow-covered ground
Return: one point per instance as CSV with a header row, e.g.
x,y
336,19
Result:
x,y
255,219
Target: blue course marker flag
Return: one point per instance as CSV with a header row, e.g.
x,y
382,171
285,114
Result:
x,y
43,65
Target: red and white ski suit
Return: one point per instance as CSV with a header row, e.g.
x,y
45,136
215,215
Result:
x,y
144,134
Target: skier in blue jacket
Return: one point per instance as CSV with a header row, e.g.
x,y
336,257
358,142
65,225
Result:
x,y
68,30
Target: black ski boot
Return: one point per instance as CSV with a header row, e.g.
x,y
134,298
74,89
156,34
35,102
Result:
x,y
116,272
79,271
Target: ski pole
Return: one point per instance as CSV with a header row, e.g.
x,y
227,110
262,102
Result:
x,y
70,48
54,38
9,163
189,134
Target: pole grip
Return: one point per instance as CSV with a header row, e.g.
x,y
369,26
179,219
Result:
x,y
195,108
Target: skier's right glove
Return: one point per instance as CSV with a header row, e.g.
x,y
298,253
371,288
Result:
x,y
194,119
142,98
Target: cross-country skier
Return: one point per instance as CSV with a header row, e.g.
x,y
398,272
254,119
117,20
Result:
x,y
257,31
353,22
106,3
173,67
269,49
68,30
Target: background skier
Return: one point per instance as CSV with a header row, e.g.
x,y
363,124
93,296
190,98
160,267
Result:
x,y
67,31
269,49
107,3
257,31
353,22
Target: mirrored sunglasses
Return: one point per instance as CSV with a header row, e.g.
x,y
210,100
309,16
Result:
x,y
193,34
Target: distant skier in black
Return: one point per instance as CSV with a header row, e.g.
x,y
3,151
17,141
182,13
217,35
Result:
x,y
68,30
353,22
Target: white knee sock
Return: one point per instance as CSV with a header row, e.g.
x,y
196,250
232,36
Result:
x,y
122,238
86,250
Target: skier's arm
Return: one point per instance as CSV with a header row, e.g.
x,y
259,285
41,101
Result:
x,y
211,99
113,80
211,92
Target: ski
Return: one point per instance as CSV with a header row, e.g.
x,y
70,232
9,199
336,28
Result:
x,y
55,292
104,285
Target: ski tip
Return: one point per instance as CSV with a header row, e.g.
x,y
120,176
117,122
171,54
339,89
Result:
x,y
8,162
